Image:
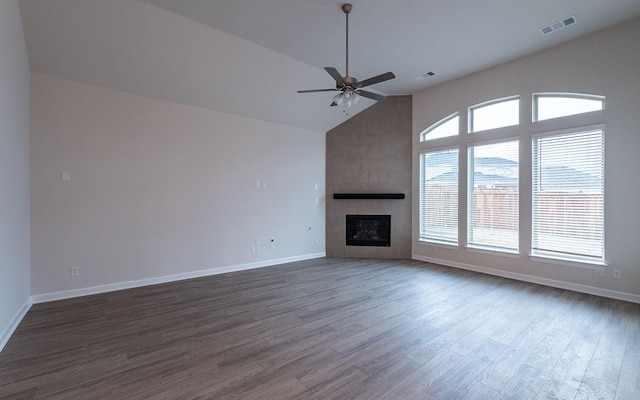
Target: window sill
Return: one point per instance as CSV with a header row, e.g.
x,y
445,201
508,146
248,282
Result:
x,y
494,251
569,262
445,245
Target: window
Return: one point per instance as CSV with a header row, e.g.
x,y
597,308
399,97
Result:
x,y
494,114
564,217
554,105
493,196
568,195
446,127
439,196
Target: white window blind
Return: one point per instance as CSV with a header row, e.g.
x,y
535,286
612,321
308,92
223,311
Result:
x,y
439,196
493,211
568,196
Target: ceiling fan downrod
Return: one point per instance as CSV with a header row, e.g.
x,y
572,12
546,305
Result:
x,y
346,7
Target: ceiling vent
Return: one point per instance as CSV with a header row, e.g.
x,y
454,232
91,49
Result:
x,y
425,76
545,30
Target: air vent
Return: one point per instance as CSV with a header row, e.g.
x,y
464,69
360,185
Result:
x,y
425,76
545,30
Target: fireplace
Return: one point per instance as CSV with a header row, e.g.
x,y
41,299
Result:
x,y
369,230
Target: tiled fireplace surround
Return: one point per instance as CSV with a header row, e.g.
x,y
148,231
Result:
x,y
371,153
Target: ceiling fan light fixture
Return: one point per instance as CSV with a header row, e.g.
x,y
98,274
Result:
x,y
346,98
355,98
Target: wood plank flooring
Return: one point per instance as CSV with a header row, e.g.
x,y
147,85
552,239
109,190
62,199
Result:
x,y
328,329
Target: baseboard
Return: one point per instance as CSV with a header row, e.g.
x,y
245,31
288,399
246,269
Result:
x,y
4,337
68,294
612,294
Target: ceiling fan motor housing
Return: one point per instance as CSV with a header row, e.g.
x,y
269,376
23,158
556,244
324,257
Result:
x,y
350,81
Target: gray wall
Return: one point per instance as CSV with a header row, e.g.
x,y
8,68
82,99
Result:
x,y
159,189
14,171
371,153
606,63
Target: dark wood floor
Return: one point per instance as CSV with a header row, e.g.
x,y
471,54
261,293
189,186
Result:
x,y
328,329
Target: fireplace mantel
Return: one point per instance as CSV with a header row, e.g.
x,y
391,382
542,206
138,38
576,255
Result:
x,y
368,196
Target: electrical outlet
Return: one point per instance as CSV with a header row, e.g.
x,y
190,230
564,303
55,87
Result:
x,y
617,274
74,271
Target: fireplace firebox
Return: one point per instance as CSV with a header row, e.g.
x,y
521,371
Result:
x,y
369,230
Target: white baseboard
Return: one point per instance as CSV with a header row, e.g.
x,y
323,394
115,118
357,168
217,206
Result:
x,y
4,337
612,294
68,294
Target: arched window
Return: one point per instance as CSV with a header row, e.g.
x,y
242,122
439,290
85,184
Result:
x,y
566,160
494,114
448,126
554,105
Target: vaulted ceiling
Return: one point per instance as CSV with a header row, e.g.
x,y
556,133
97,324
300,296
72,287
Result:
x,y
249,57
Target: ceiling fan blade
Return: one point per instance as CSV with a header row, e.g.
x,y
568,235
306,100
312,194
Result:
x,y
335,75
371,95
316,90
376,79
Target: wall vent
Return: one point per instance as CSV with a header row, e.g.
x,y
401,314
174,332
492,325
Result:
x,y
545,30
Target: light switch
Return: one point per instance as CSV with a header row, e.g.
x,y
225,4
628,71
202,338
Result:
x,y
66,176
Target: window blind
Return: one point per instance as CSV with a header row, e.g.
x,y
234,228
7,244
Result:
x,y
493,210
439,196
568,196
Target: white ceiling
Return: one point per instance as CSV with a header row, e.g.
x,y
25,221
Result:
x,y
248,57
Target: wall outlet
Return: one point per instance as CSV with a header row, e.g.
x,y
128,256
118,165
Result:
x,y
617,274
74,271
598,272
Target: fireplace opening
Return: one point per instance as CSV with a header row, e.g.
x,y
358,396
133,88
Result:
x,y
369,230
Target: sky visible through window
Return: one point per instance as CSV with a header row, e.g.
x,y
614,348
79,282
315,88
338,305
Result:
x,y
548,107
495,115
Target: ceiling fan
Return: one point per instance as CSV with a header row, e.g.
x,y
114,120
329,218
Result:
x,y
349,87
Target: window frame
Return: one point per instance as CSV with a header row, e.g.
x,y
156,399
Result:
x,y
489,103
470,193
425,133
421,189
577,261
563,95
523,131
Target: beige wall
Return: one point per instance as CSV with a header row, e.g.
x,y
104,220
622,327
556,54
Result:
x,y
607,64
14,171
160,189
371,153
